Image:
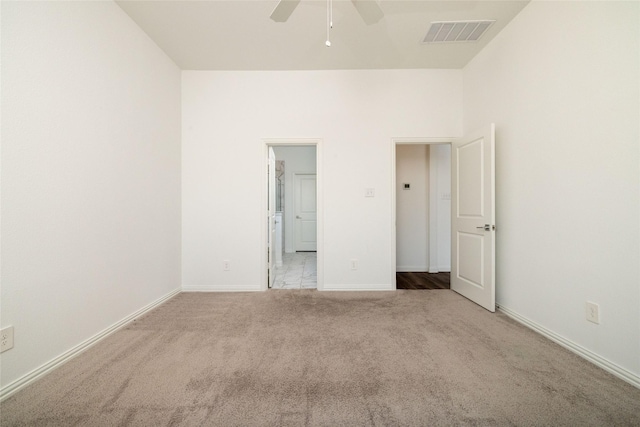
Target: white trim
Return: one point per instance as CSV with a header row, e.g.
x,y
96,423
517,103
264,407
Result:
x,y
433,212
37,373
412,269
585,353
221,288
317,142
440,269
394,142
423,141
360,287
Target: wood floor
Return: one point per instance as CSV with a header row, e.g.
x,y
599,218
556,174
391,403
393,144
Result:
x,y
422,281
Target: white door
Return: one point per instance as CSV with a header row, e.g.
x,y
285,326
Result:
x,y
473,217
271,215
304,195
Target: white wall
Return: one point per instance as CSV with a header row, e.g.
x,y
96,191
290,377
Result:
x,y
412,208
355,113
90,175
563,89
297,159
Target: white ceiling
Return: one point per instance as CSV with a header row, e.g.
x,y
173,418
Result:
x,y
238,34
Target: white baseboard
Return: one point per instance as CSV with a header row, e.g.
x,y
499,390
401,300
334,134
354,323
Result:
x,y
359,287
587,354
221,288
422,269
440,269
37,373
412,269
444,269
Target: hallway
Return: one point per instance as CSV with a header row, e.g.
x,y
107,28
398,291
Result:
x,y
423,280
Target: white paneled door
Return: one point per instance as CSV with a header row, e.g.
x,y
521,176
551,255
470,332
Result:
x,y
473,217
305,232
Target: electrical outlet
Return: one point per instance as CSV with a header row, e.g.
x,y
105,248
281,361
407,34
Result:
x,y
6,339
593,312
354,264
226,265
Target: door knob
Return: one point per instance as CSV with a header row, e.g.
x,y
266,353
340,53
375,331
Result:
x,y
298,217
485,227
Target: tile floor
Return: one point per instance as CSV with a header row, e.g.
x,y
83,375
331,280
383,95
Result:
x,y
298,271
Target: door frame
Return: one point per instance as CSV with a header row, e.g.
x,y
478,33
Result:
x,y
273,142
271,215
407,141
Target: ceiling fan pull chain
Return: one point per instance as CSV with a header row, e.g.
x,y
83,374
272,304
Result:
x,y
329,20
330,13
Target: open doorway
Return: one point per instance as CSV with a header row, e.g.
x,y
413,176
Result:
x,y
293,242
422,196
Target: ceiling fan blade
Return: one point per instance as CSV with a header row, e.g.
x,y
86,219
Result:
x,y
283,10
369,10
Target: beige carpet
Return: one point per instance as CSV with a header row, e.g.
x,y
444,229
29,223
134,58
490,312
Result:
x,y
297,358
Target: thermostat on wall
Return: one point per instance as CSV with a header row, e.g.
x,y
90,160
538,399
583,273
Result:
x,y
406,186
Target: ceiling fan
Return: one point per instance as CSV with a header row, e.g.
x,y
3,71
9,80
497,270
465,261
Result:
x,y
369,10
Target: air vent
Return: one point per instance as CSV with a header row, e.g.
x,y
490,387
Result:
x,y
456,31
